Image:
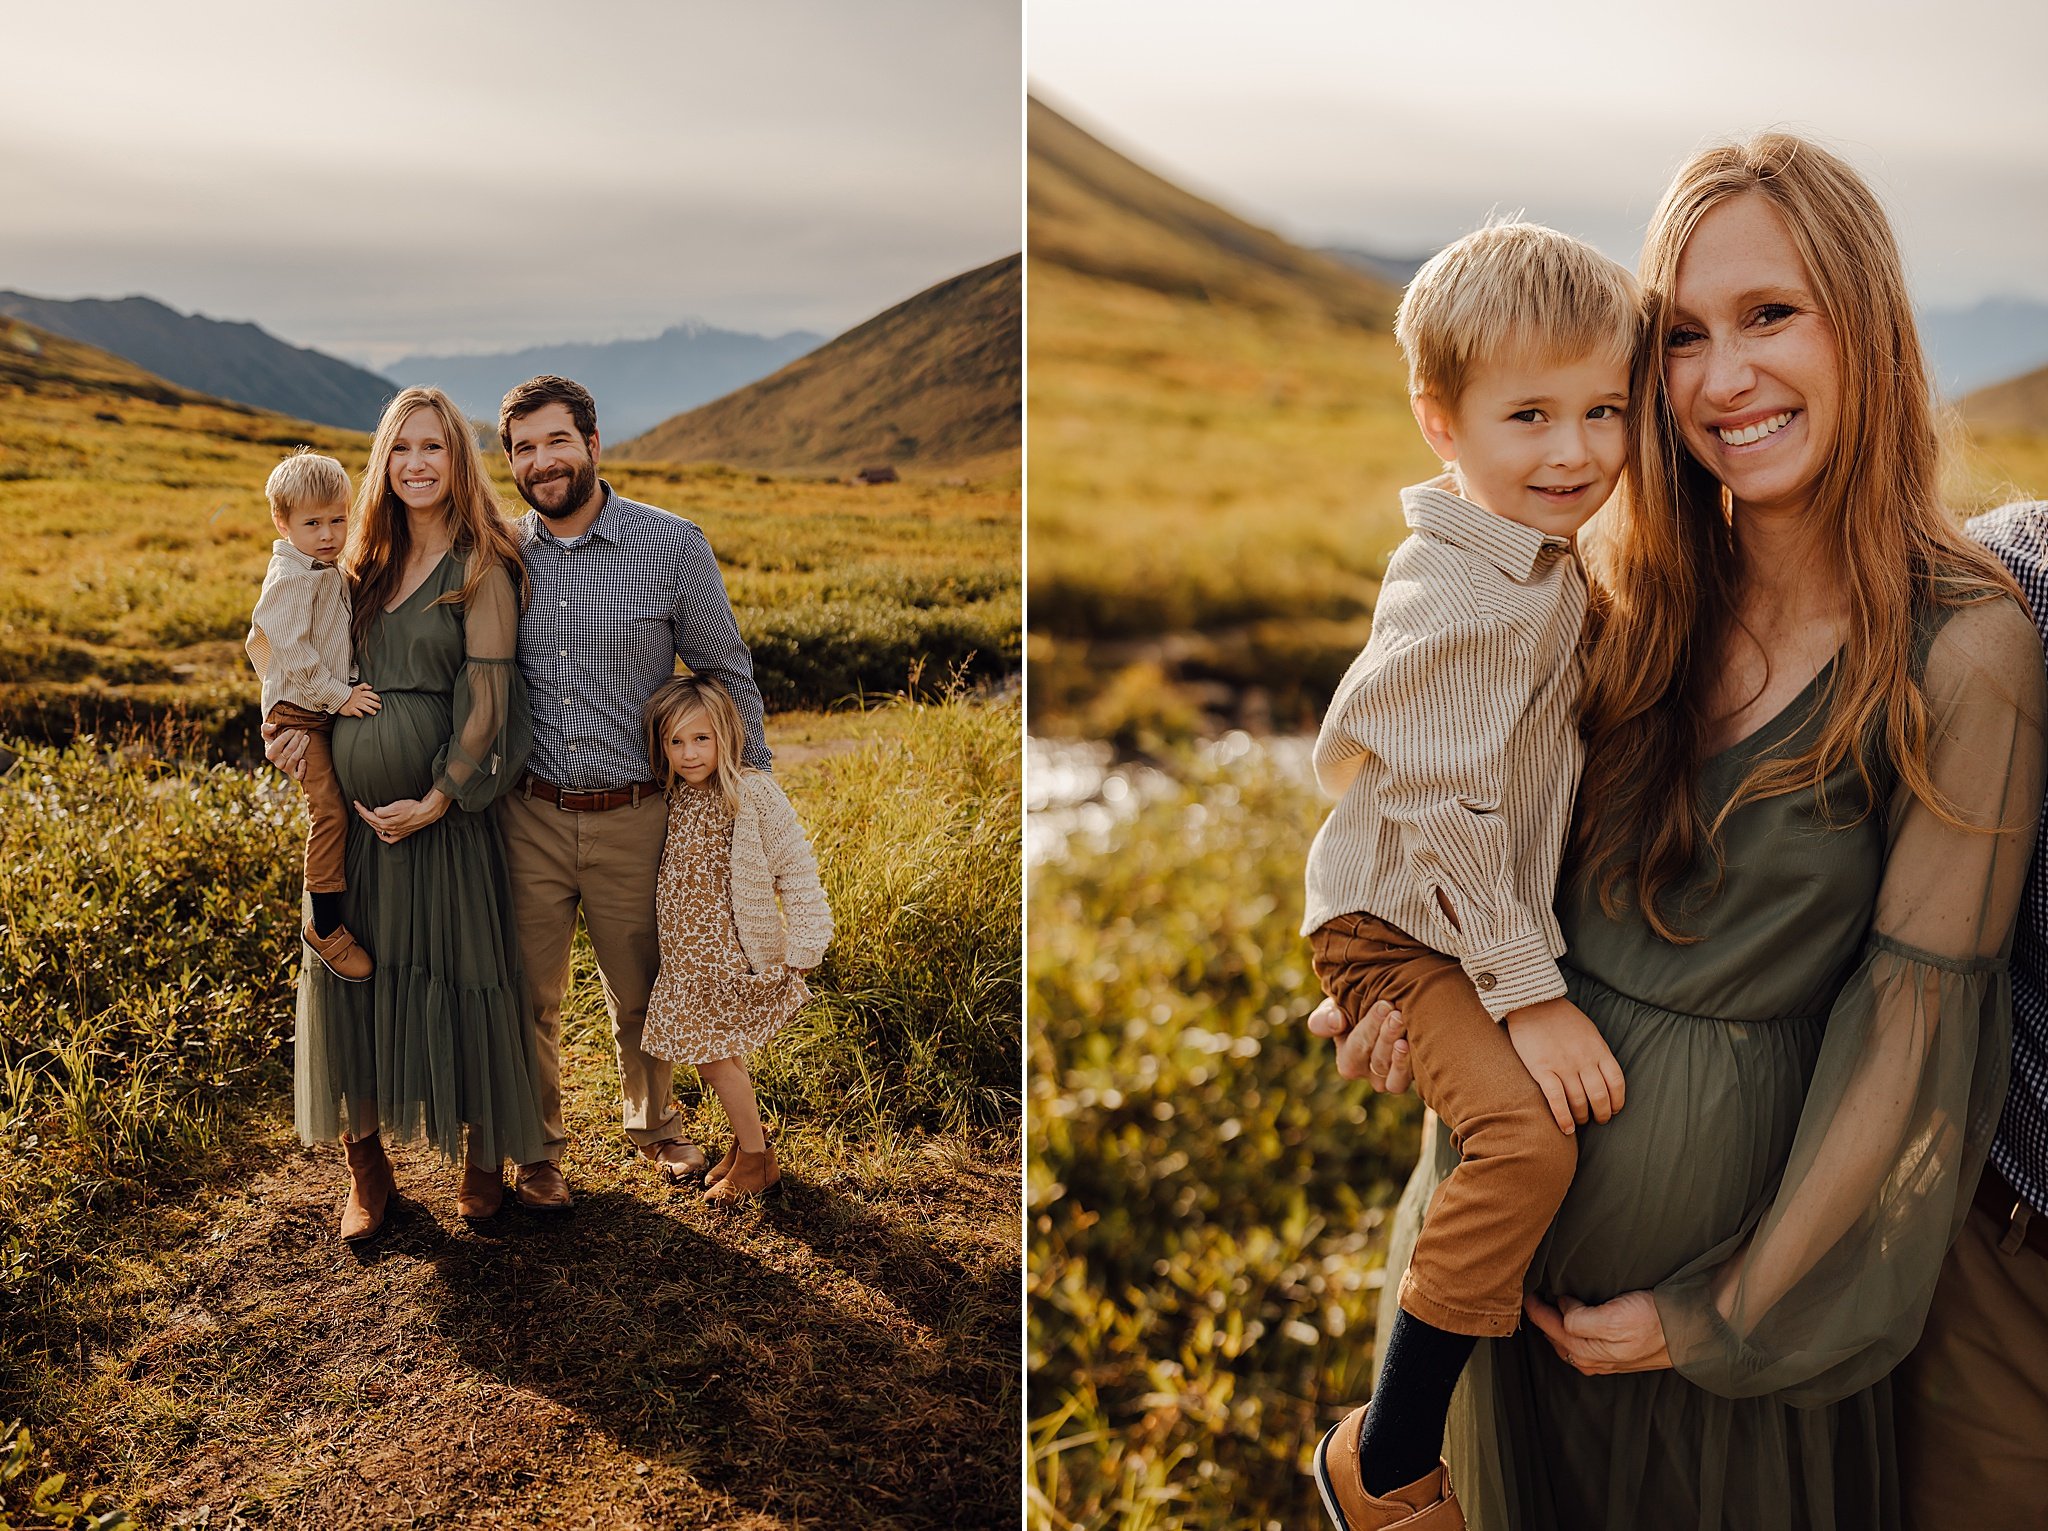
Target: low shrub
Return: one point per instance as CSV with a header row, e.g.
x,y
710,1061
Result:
x,y
1206,1196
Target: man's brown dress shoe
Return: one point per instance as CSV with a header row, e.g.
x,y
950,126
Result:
x,y
540,1187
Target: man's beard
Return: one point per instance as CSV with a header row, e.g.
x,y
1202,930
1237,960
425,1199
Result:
x,y
582,484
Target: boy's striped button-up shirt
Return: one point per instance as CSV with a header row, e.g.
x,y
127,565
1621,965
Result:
x,y
1453,749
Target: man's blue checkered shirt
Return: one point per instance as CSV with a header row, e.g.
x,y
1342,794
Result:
x,y
609,615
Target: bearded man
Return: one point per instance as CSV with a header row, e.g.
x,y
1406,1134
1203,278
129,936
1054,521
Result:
x,y
620,592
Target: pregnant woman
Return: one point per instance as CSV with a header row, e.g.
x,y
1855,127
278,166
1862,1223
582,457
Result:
x,y
1814,760
437,1042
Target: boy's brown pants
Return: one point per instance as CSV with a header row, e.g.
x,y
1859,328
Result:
x,y
1515,1165
325,806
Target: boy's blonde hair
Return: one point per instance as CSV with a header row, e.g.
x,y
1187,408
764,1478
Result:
x,y
674,699
305,478
1512,288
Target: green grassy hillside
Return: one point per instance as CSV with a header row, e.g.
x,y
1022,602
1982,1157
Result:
x,y
138,538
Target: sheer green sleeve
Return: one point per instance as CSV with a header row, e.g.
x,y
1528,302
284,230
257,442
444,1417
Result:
x,y
1827,1289
493,728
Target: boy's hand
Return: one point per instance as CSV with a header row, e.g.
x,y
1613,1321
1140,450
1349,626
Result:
x,y
1569,1060
361,703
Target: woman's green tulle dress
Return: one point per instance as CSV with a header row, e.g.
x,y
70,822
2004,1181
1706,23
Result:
x,y
437,1042
1811,1090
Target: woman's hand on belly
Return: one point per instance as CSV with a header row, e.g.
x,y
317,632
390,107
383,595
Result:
x,y
394,821
1622,1335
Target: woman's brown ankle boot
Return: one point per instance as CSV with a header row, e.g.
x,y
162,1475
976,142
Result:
x,y
370,1184
750,1175
723,1167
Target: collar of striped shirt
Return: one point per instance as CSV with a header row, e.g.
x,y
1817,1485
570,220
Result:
x,y
1508,545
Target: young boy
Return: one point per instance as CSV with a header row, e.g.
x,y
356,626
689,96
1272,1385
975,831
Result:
x,y
1453,748
298,641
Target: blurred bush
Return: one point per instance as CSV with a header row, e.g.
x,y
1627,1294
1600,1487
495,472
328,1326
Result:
x,y
1207,1198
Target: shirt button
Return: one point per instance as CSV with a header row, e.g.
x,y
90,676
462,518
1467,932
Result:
x,y
563,652
1484,982
561,603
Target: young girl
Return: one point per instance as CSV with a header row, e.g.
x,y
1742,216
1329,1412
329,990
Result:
x,y
730,959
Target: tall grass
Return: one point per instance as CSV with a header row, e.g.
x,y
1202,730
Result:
x,y
918,1014
1206,1197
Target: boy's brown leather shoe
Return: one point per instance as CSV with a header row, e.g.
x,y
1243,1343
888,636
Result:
x,y
342,956
1424,1505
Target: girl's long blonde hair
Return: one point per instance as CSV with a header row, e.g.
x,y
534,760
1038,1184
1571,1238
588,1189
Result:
x,y
1667,585
676,699
380,533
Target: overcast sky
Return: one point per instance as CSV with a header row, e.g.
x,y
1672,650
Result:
x,y
1400,126
381,177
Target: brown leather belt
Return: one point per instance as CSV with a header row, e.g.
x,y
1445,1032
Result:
x,y
2018,1222
587,802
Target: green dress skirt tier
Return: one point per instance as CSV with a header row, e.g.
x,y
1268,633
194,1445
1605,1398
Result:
x,y
1811,1090
438,1042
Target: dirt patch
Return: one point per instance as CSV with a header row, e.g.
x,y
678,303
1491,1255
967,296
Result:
x,y
848,1356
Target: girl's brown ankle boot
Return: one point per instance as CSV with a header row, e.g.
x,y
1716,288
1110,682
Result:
x,y
750,1175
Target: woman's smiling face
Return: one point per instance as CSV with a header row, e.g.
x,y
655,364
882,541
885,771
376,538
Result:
x,y
1750,365
420,460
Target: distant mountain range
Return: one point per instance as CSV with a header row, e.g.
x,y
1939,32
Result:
x,y
1397,269
230,360
637,383
1988,342
1095,212
935,380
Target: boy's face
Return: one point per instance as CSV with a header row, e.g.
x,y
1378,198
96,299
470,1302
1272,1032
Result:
x,y
1538,441
318,531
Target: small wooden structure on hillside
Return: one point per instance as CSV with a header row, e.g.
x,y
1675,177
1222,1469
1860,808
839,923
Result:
x,y
882,475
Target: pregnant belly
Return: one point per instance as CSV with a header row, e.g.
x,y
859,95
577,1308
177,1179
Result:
x,y
390,756
1711,1111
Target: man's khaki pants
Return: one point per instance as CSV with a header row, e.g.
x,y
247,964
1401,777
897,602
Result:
x,y
606,863
1973,1395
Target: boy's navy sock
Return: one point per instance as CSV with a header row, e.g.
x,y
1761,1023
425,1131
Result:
x,y
1403,1438
326,913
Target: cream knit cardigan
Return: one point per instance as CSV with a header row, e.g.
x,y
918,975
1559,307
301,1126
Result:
x,y
770,856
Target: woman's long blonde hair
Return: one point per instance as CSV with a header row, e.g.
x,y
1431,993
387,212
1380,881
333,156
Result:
x,y
1667,573
380,534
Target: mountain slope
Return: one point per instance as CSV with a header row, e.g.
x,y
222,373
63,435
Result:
x,y
1095,212
934,380
637,383
2018,404
229,360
